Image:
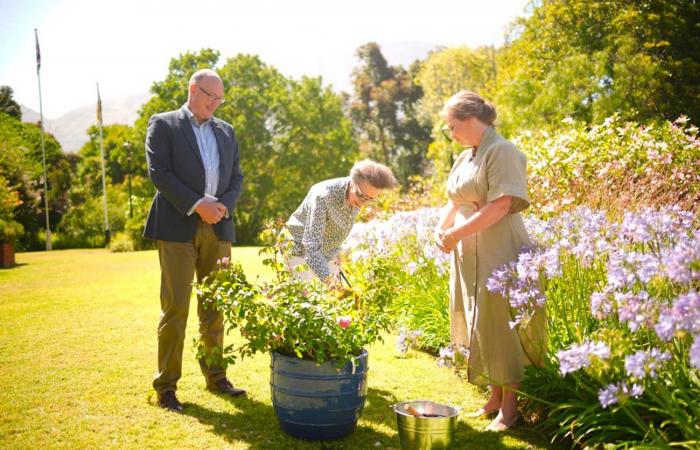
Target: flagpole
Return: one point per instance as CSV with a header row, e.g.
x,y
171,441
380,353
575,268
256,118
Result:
x,y
43,146
102,153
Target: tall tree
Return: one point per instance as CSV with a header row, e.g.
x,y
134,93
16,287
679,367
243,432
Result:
x,y
383,109
292,134
21,165
7,104
588,60
444,73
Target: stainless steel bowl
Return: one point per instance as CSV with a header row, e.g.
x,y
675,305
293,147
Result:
x,y
422,433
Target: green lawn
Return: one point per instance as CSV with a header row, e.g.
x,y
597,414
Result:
x,y
78,351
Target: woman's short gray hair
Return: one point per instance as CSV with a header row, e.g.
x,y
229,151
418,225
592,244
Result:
x,y
466,104
376,174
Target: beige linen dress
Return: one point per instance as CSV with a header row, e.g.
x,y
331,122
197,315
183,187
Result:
x,y
478,318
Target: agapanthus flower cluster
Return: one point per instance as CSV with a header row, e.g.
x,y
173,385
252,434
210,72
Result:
x,y
633,257
695,352
407,339
682,316
382,236
453,357
614,392
646,363
579,356
519,281
646,247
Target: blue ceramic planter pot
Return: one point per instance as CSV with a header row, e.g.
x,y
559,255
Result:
x,y
318,401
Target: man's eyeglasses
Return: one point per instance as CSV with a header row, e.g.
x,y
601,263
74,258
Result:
x,y
362,196
212,97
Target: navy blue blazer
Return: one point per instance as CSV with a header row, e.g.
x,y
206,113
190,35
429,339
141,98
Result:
x,y
176,169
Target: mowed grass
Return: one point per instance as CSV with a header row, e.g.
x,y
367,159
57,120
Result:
x,y
78,352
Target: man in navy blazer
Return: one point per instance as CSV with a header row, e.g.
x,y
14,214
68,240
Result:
x,y
194,163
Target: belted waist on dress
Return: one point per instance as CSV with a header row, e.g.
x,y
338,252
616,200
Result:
x,y
468,207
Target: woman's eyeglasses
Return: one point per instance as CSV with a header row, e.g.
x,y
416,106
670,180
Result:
x,y
361,195
447,133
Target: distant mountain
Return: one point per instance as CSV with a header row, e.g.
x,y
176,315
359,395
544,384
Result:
x,y
71,128
405,53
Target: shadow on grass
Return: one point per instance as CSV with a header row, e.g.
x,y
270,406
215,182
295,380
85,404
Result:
x,y
257,425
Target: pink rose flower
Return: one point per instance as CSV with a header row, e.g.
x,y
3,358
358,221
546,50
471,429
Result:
x,y
344,321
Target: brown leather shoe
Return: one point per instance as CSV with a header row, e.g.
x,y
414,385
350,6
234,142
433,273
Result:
x,y
223,386
167,400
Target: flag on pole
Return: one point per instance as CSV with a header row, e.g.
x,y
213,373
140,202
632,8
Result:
x,y
102,157
43,146
38,52
99,106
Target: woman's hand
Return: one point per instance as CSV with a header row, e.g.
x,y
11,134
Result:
x,y
449,239
333,283
440,241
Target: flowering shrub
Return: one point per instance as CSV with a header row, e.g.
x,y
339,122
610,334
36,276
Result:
x,y
654,164
623,306
296,318
624,319
418,273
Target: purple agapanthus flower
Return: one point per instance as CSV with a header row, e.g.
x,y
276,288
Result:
x,y
683,315
579,356
601,304
406,339
612,393
608,395
633,308
643,363
446,357
695,352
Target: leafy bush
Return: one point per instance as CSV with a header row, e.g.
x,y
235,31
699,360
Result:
x,y
121,242
296,318
83,226
643,165
419,272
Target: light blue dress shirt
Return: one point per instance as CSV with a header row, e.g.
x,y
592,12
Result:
x,y
209,150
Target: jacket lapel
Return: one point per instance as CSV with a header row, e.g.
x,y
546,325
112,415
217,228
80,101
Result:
x,y
186,128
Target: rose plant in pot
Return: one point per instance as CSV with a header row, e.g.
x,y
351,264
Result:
x,y
316,336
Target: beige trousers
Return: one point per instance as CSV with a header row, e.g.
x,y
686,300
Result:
x,y
179,262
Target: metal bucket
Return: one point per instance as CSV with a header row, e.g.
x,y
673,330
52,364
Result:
x,y
422,433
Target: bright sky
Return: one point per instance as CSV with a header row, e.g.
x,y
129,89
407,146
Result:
x,y
126,45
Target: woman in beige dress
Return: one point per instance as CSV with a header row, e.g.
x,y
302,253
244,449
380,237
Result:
x,y
482,227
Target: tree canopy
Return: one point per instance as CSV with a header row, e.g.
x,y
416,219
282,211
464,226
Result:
x,y
384,111
588,60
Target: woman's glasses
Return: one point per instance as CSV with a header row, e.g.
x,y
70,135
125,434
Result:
x,y
361,195
447,133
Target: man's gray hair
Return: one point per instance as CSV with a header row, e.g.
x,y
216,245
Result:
x,y
203,73
376,174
